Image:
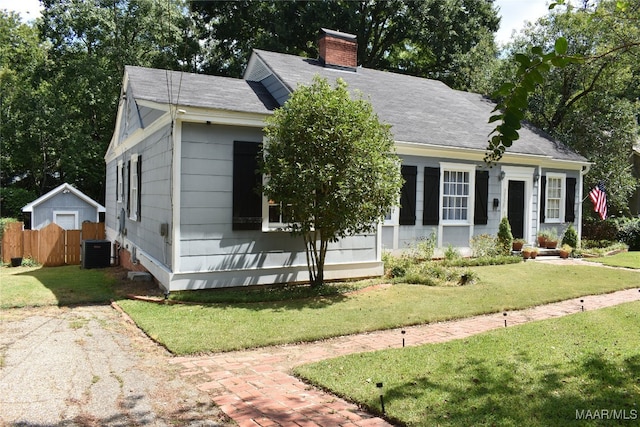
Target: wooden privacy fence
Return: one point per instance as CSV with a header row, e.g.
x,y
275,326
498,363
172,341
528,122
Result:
x,y
50,246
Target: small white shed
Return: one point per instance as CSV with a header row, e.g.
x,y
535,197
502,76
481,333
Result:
x,y
66,206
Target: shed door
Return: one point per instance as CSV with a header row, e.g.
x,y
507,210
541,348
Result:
x,y
66,220
515,208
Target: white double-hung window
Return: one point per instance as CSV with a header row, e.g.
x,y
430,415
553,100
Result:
x,y
134,187
554,203
120,182
457,193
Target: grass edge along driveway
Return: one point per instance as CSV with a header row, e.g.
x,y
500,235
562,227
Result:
x,y
202,328
562,371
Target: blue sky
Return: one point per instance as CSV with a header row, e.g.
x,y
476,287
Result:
x,y
514,13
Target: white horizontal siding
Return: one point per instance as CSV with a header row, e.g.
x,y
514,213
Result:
x,y
207,241
250,277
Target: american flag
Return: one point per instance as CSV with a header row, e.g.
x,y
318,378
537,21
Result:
x,y
599,198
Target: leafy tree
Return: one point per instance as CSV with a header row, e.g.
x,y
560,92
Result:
x,y
329,158
579,82
429,38
12,200
60,90
90,43
21,56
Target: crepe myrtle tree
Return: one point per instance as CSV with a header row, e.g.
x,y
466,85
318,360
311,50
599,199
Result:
x,y
331,163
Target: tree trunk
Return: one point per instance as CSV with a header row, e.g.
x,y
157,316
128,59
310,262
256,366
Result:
x,y
315,257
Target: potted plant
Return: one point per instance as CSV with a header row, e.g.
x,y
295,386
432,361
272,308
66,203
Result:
x,y
565,251
518,244
534,253
526,252
542,238
552,239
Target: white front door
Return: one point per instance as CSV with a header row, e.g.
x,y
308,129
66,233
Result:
x,y
518,196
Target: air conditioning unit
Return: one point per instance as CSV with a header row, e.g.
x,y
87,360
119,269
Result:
x,y
96,253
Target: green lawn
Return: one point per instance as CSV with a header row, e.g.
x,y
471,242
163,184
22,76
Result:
x,y
622,259
540,374
195,328
67,285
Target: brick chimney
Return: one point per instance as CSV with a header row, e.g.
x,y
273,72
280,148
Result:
x,y
338,50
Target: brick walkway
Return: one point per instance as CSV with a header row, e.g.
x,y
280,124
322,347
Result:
x,y
255,388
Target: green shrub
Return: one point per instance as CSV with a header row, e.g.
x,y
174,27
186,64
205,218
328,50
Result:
x,y
597,229
597,244
505,237
603,249
485,260
438,274
484,245
419,278
29,262
396,266
629,233
467,277
570,237
451,253
13,199
424,247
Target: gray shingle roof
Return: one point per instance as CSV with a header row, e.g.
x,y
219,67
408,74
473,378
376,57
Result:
x,y
420,110
199,90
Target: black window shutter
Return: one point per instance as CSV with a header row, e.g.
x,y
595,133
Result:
x,y
481,209
247,201
408,195
543,197
569,206
118,172
139,207
431,211
128,188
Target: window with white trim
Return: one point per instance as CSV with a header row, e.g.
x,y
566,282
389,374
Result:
x,y
279,214
134,182
120,182
554,198
456,195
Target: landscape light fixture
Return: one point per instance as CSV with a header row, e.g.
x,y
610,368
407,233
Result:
x,y
379,385
505,318
403,332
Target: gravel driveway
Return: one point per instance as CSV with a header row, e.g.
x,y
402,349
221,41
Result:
x,y
86,366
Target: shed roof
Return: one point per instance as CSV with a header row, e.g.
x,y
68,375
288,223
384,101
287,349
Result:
x,y
60,189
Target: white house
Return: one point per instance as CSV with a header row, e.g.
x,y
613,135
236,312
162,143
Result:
x,y
181,199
